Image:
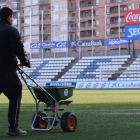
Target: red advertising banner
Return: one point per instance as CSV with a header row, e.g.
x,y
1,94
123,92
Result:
x,y
132,17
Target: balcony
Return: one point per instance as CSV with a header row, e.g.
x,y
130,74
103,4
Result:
x,y
113,22
45,21
44,1
70,19
45,40
45,12
115,1
72,29
88,4
71,9
84,35
15,16
2,1
71,39
114,32
85,27
114,9
16,8
89,14
16,1
23,24
45,32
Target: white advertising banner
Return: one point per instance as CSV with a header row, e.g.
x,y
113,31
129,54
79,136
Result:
x,y
92,85
124,84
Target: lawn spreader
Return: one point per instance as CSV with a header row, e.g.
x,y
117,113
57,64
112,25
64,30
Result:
x,y
52,97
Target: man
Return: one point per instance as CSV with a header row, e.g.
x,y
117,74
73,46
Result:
x,y
10,48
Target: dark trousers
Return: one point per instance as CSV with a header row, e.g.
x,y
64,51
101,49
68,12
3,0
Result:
x,y
11,87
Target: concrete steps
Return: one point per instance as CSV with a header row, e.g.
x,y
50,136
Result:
x,y
122,69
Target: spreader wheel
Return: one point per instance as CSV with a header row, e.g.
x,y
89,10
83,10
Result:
x,y
39,122
68,122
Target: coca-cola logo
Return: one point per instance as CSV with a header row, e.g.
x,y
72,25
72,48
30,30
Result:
x,y
132,17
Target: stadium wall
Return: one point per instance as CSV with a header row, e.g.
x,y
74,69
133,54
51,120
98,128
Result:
x,y
85,53
92,84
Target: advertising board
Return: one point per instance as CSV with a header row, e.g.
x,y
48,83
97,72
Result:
x,y
132,32
124,84
132,17
117,41
44,45
86,43
91,85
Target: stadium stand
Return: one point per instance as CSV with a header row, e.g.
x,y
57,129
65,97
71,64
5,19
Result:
x,y
132,72
47,68
92,68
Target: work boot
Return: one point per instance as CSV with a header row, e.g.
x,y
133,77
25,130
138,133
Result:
x,y
16,132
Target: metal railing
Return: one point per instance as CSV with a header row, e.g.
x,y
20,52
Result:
x,y
45,21
71,18
16,8
45,32
72,29
45,12
44,1
71,8
114,32
86,5
115,1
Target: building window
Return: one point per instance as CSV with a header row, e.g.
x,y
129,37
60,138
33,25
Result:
x,y
63,38
62,16
16,6
27,31
15,22
34,20
56,18
35,30
55,38
54,7
55,28
35,11
129,7
62,6
27,21
27,2
73,37
108,11
34,39
34,1
97,22
108,21
63,27
97,33
26,40
27,11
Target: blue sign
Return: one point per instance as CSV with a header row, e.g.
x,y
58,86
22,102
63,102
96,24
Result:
x,y
132,32
117,41
86,43
61,84
44,45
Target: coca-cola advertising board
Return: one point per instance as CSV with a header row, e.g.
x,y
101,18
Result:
x,y
132,17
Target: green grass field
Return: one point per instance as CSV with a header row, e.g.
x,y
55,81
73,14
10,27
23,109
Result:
x,y
101,114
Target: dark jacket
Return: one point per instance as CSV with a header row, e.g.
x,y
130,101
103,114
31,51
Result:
x,y
10,47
